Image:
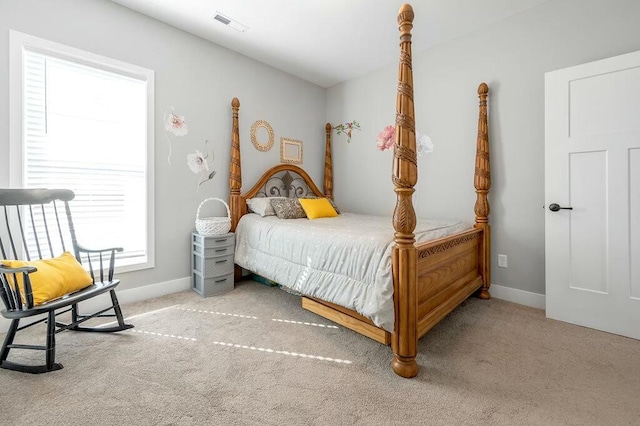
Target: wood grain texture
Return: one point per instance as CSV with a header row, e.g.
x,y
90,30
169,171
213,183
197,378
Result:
x,y
347,318
237,206
328,164
404,341
482,183
453,300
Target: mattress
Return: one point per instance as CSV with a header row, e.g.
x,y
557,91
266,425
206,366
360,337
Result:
x,y
344,260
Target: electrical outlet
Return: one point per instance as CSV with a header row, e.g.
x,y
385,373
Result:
x,y
502,260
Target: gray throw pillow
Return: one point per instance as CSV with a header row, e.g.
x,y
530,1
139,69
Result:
x,y
288,208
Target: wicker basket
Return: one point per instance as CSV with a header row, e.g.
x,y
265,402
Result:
x,y
208,226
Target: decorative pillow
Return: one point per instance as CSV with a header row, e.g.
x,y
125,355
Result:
x,y
261,206
333,204
318,207
54,277
287,208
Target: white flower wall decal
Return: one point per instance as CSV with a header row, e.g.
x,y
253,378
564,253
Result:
x,y
424,144
198,161
199,164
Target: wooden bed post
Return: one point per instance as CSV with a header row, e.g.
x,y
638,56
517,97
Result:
x,y
482,182
236,205
235,169
328,166
405,175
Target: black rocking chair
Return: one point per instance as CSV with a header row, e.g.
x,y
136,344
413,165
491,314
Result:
x,y
37,224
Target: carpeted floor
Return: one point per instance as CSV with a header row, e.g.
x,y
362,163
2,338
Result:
x,y
254,357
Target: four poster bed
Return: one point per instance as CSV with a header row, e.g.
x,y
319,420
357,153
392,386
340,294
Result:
x,y
428,269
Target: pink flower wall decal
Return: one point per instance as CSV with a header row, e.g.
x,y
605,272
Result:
x,y
387,138
174,123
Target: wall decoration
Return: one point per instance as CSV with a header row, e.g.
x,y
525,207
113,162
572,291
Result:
x,y
290,151
386,139
199,164
262,135
346,128
175,124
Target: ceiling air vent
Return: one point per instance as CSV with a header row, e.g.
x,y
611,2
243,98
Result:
x,y
230,22
222,19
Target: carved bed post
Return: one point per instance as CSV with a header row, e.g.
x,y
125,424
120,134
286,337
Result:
x,y
405,175
482,182
328,166
235,169
236,205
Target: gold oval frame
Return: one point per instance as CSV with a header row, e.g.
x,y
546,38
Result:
x,y
254,138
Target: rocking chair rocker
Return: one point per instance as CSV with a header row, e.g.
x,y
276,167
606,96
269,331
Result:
x,y
34,228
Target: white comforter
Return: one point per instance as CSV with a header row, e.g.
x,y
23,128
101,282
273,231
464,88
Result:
x,y
344,260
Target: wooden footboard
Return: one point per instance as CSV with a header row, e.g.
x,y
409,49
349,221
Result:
x,y
449,271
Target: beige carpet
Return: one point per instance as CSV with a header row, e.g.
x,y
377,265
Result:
x,y
254,357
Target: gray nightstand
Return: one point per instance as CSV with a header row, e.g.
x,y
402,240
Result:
x,y
212,263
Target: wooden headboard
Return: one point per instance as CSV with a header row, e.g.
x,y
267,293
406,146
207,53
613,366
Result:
x,y
287,180
284,180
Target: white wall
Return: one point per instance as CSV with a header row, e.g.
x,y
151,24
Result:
x,y
512,57
196,77
199,79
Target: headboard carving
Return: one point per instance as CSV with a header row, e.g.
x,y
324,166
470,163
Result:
x,y
283,180
285,183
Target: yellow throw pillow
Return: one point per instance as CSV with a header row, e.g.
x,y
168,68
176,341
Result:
x,y
54,277
317,207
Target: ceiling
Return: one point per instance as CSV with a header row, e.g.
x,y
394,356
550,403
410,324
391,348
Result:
x,y
327,41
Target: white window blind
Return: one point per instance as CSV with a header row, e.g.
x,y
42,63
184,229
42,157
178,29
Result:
x,y
85,129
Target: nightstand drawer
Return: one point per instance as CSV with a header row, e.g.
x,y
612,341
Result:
x,y
212,241
211,286
213,251
212,266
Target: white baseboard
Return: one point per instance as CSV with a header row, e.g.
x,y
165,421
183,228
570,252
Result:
x,y
124,296
154,290
150,291
514,295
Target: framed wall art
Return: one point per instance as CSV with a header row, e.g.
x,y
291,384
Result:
x,y
290,151
262,135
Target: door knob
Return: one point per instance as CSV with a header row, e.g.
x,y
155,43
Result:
x,y
555,207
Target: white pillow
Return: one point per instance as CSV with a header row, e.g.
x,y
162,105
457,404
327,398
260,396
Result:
x,y
261,206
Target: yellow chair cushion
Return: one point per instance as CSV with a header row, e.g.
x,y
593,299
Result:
x,y
317,207
54,277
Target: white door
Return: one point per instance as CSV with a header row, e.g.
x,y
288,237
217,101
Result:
x,y
592,165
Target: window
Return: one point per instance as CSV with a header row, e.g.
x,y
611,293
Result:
x,y
86,124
